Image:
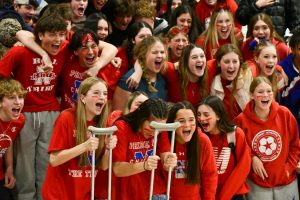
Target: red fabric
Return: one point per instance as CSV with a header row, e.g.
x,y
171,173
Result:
x,y
282,50
281,130
134,148
111,75
67,181
209,51
231,177
232,107
207,169
203,11
9,131
25,67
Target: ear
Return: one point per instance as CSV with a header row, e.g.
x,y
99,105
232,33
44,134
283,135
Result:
x,y
256,59
75,52
251,96
82,98
41,36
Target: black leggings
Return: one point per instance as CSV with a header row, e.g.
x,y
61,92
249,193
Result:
x,y
238,197
5,193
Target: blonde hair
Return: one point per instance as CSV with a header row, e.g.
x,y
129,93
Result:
x,y
258,80
8,86
211,33
141,52
257,51
80,121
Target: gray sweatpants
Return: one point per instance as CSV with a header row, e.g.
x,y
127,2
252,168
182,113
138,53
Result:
x,y
287,192
31,156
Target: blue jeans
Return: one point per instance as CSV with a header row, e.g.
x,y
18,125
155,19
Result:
x,y
159,197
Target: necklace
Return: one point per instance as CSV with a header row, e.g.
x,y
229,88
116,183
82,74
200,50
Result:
x,y
2,129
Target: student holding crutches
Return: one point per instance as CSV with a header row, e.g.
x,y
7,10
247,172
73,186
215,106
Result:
x,y
69,172
195,176
132,157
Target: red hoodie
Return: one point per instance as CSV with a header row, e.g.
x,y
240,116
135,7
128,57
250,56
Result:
x,y
275,141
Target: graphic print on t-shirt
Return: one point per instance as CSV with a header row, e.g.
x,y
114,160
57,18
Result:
x,y
267,145
222,159
5,141
180,171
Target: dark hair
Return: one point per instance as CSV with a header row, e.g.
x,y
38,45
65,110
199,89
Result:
x,y
183,69
49,23
76,41
295,40
216,104
92,20
123,8
168,13
63,9
193,146
133,30
152,107
195,29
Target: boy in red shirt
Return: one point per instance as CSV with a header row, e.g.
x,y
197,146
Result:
x,y
41,106
11,122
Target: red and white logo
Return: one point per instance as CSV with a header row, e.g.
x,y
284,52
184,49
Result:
x,y
267,145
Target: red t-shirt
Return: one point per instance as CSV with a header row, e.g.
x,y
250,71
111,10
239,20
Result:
x,y
9,132
134,148
67,181
208,172
232,173
26,67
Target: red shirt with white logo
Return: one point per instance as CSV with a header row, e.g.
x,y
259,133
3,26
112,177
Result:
x,y
135,148
232,173
275,141
9,132
26,66
67,181
180,190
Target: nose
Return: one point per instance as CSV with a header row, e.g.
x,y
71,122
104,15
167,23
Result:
x,y
18,100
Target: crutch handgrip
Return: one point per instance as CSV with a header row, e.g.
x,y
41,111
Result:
x,y
102,131
164,126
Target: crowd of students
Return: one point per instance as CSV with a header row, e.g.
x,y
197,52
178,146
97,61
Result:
x,y
127,63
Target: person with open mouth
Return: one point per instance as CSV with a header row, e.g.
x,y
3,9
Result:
x,y
12,96
151,55
196,168
71,144
261,28
265,64
221,30
232,154
232,82
272,134
133,157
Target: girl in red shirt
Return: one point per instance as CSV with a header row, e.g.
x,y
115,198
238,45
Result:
x,y
132,158
196,170
261,28
231,151
12,121
232,83
265,57
69,171
219,32
272,133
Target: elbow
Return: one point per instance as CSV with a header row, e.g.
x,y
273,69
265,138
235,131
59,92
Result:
x,y
53,161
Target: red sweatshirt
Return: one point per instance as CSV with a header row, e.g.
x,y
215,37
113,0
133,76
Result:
x,y
232,173
275,141
179,187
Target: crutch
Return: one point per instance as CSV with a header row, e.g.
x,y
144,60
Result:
x,y
102,131
163,127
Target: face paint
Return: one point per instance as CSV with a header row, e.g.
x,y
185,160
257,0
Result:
x,y
219,26
206,120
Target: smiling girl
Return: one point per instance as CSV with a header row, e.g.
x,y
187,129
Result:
x,y
272,133
232,83
261,28
196,170
69,171
232,157
11,122
219,32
